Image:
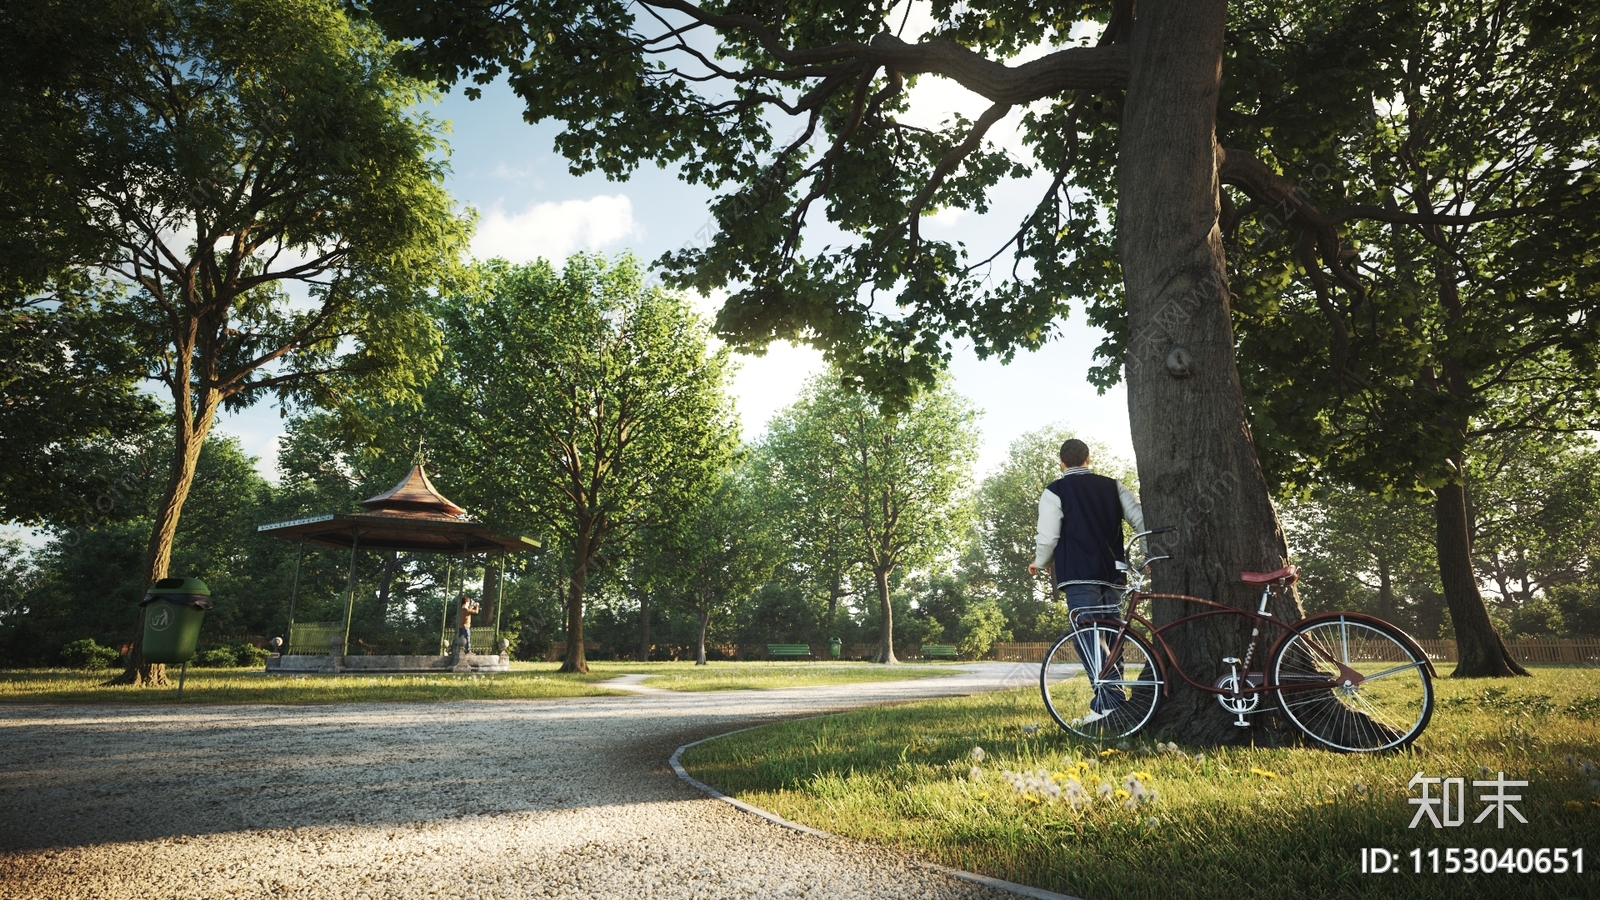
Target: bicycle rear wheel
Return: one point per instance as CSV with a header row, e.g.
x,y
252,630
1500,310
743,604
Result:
x,y
1084,689
1353,684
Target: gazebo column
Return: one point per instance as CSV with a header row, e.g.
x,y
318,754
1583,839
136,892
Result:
x,y
499,596
350,601
444,615
294,591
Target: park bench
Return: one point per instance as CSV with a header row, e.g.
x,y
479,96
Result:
x,y
938,651
795,650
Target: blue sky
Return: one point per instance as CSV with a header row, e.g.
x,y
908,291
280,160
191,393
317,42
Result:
x,y
530,205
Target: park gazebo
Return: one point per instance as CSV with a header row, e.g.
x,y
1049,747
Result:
x,y
411,517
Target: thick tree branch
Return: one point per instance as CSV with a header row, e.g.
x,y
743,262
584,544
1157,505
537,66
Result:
x,y
1073,67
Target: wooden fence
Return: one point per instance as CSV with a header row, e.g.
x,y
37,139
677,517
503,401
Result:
x,y
1540,651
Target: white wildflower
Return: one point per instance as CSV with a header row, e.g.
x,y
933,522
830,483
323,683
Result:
x,y
977,754
1105,790
1152,822
1587,768
975,774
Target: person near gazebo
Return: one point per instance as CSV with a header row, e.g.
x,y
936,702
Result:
x,y
464,616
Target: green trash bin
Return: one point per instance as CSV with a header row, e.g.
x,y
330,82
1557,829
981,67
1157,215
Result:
x,y
835,647
173,610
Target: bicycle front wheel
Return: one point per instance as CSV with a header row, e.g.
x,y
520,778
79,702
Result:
x,y
1099,684
1353,684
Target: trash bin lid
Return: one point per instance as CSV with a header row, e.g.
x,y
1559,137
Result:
x,y
182,591
180,586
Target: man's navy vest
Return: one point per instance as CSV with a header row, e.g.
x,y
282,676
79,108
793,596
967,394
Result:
x,y
1091,528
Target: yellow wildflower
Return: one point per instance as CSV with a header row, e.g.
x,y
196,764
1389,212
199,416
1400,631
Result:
x,y
1109,751
1263,773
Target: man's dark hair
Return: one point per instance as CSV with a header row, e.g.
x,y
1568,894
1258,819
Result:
x,y
1074,453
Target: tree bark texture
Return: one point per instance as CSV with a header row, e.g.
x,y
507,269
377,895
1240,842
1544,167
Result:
x,y
644,630
391,565
705,625
1197,462
1480,651
190,426
575,661
886,626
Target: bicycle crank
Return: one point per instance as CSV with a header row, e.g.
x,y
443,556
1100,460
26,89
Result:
x,y
1232,699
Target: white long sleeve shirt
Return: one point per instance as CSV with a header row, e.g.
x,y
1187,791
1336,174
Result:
x,y
1049,527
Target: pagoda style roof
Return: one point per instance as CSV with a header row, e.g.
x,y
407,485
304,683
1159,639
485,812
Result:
x,y
414,497
411,516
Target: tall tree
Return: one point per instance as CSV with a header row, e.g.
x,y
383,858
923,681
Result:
x,y
1536,513
796,112
222,159
1361,551
902,473
579,402
717,554
808,505
1470,310
69,392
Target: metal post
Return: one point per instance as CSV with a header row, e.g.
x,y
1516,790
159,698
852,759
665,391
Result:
x,y
444,616
350,604
499,597
294,592
182,673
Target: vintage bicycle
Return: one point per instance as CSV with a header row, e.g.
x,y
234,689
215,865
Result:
x,y
1350,681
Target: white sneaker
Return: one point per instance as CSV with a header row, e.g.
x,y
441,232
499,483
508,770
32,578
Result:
x,y
1090,719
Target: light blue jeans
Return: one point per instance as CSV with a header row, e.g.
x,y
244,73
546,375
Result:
x,y
1092,652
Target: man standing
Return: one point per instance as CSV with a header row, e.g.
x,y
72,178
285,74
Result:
x,y
464,615
1080,531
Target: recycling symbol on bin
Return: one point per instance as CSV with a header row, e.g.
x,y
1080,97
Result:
x,y
161,619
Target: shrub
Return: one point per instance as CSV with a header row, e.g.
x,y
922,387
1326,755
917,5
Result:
x,y
217,658
86,654
249,656
980,626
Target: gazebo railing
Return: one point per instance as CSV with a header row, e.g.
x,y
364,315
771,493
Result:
x,y
314,638
322,638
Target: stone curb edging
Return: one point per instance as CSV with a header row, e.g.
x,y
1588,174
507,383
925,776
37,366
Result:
x,y
996,883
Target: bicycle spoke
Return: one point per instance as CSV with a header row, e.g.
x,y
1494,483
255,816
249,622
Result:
x,y
1352,716
1396,670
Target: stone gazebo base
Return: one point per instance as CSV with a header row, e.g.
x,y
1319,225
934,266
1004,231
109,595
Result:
x,y
334,664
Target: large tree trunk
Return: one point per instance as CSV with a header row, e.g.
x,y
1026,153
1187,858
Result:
x,y
644,629
391,565
1197,462
705,624
190,427
575,661
880,576
1479,651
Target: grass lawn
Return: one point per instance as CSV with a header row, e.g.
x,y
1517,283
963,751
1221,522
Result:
x,y
771,676
525,681
1236,822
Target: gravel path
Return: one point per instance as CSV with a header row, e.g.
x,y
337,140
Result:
x,y
479,799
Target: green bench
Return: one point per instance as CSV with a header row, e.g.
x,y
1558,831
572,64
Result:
x,y
795,650
938,651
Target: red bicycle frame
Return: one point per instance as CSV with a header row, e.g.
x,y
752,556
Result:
x,y
1159,641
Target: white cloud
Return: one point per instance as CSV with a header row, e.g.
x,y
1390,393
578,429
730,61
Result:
x,y
556,230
